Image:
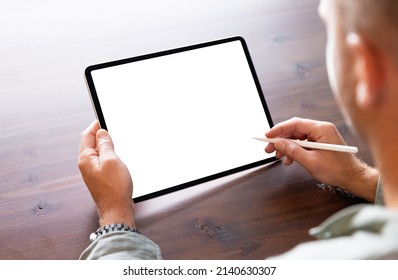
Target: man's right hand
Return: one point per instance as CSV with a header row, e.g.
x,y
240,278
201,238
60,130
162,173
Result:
x,y
333,168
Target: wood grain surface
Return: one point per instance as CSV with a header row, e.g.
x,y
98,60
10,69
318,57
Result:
x,y
46,211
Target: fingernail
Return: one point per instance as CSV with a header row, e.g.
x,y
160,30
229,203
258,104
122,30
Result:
x,y
102,133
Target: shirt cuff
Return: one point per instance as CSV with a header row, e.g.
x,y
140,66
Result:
x,y
122,245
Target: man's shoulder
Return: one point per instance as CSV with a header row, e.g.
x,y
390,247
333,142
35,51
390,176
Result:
x,y
357,232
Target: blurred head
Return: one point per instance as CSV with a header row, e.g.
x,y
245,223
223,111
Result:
x,y
362,60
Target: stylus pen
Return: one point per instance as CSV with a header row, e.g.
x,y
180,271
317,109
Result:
x,y
315,145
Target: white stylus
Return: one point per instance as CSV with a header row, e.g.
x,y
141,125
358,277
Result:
x,y
315,145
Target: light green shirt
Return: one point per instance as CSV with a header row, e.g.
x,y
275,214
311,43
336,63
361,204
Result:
x,y
379,199
122,245
357,232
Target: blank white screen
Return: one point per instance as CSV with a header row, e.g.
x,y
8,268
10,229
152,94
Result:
x,y
182,117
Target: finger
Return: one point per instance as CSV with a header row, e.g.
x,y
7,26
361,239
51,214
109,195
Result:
x,y
293,135
288,161
293,152
105,146
294,128
279,155
87,140
270,148
88,156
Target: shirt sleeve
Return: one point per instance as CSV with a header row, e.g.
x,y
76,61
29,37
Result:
x,y
122,246
357,232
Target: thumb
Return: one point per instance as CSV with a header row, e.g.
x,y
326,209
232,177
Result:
x,y
104,143
293,151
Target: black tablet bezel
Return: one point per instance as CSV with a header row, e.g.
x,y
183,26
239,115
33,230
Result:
x,y
101,118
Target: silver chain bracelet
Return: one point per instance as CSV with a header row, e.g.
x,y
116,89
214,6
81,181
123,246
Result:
x,y
111,228
336,190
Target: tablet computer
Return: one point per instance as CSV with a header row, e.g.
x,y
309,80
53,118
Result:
x,y
184,116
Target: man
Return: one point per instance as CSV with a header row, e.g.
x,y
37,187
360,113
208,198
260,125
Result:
x,y
362,60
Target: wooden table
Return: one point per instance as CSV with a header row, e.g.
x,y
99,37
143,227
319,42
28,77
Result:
x,y
46,211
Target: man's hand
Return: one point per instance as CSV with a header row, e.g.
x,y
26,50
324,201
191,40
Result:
x,y
333,168
106,177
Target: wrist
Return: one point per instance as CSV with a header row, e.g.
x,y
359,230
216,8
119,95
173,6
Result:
x,y
363,182
117,216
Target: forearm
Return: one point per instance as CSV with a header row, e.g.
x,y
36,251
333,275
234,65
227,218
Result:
x,y
362,181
